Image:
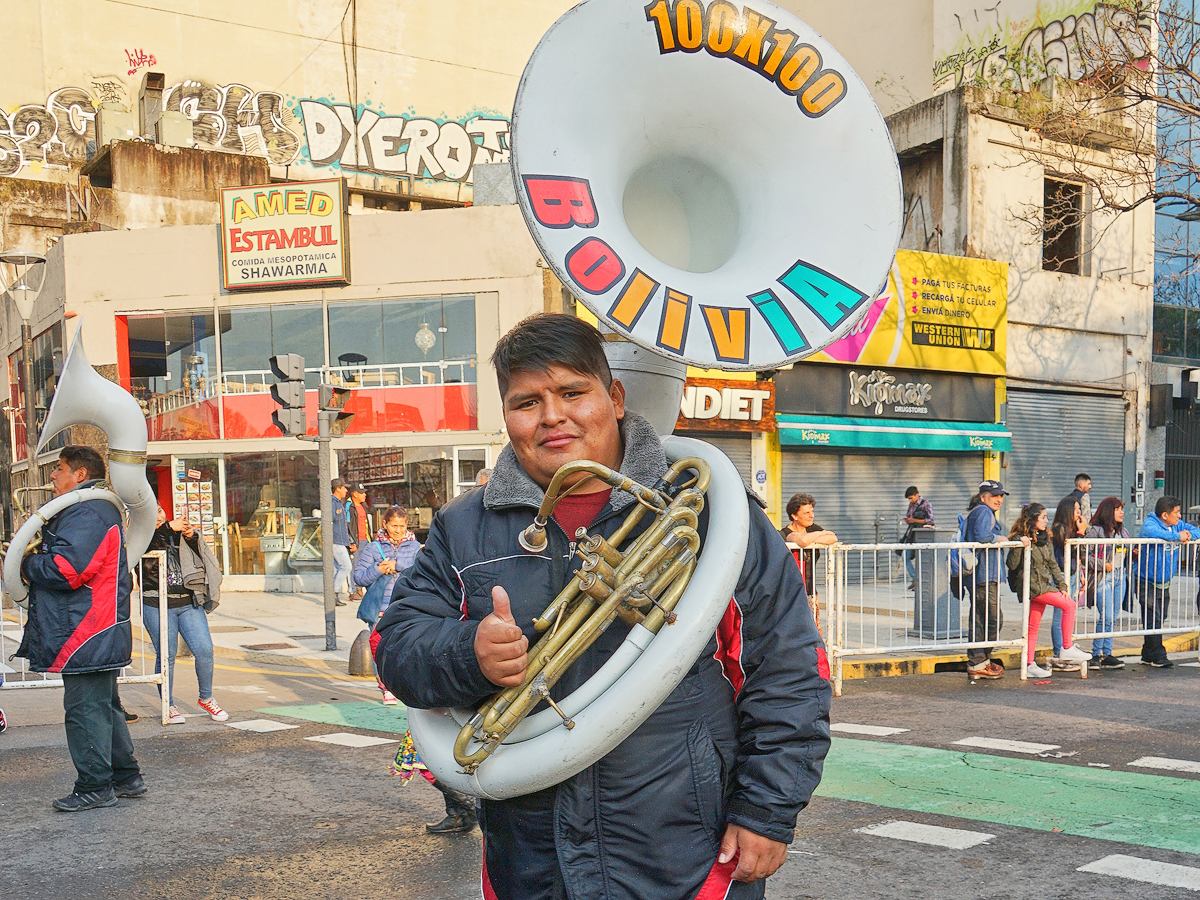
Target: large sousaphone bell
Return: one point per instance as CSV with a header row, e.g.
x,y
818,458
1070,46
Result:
x,y
83,397
718,187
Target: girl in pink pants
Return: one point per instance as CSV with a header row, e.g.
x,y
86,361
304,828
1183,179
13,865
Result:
x,y
1047,586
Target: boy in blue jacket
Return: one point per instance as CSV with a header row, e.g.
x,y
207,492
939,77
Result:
x,y
1157,565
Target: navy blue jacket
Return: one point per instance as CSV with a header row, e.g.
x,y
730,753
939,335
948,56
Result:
x,y
982,527
79,588
741,740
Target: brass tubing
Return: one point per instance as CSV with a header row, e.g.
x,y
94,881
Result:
x,y
657,564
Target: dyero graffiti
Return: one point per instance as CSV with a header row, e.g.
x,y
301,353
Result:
x,y
399,145
1013,53
235,118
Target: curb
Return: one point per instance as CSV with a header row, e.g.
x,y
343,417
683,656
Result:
x,y
1009,657
341,666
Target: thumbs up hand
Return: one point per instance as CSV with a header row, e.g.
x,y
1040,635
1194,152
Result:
x,y
499,644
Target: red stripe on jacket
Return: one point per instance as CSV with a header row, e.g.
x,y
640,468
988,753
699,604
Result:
x,y
102,575
720,879
485,883
729,647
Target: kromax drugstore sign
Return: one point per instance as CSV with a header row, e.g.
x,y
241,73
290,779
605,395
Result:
x,y
291,234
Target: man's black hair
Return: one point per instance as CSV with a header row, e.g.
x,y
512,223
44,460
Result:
x,y
78,457
911,491
550,339
1166,504
1082,476
799,500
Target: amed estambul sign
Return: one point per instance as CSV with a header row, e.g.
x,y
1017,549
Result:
x,y
291,234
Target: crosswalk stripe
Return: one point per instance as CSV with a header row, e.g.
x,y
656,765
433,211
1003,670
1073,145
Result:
x,y
934,835
875,730
260,725
1001,744
1170,765
349,739
1145,870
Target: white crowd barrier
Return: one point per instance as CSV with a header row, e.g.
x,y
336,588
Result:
x,y
15,670
1131,587
902,600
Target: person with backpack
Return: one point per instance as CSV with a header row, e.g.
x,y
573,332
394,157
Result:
x,y
1047,586
982,527
1107,565
1069,524
963,561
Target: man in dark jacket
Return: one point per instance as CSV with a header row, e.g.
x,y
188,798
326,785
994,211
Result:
x,y
79,625
983,527
704,794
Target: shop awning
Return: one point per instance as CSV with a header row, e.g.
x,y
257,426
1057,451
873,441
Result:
x,y
893,434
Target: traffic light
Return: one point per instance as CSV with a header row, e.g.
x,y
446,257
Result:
x,y
333,398
289,393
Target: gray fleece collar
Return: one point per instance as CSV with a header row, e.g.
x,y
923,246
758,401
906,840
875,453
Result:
x,y
644,462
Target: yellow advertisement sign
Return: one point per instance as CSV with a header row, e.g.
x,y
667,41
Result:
x,y
290,234
947,313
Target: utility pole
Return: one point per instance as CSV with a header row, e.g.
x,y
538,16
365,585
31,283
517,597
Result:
x,y
331,422
325,475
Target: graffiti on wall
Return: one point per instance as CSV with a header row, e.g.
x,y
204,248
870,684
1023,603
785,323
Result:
x,y
234,118
1019,52
138,59
56,133
399,145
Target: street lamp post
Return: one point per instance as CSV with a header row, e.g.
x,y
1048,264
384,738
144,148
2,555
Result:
x,y
23,288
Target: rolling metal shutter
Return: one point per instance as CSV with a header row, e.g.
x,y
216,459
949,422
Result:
x,y
853,492
1056,436
737,449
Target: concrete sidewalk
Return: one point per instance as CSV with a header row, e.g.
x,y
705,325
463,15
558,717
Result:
x,y
285,629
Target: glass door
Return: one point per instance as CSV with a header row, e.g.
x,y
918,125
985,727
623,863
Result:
x,y
467,463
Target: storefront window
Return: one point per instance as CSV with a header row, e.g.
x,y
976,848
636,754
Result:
x,y
250,336
413,362
47,366
418,478
266,496
173,373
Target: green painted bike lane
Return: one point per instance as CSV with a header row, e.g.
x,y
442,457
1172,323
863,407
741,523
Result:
x,y
1131,807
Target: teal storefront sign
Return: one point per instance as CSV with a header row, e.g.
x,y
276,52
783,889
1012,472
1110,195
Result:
x,y
893,434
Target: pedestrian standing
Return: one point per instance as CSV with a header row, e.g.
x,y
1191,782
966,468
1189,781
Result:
x,y
1047,586
185,551
919,515
983,527
78,625
1156,566
803,531
343,547
1108,572
1069,524
1083,484
358,524
379,564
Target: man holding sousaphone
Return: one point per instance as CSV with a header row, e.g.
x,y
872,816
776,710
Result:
x,y
704,794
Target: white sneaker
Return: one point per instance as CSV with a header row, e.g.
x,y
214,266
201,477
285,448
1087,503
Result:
x,y
213,708
389,699
1074,654
175,717
1033,670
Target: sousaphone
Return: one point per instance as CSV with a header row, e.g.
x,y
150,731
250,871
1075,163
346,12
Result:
x,y
718,187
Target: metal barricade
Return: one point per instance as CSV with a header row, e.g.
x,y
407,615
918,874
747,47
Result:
x,y
1132,587
952,604
12,628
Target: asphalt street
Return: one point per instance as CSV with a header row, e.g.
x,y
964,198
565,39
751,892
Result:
x,y
240,813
